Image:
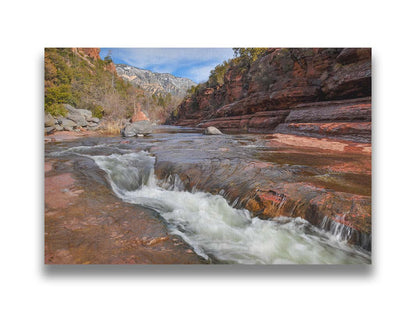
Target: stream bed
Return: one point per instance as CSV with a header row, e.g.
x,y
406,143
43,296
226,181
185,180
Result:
x,y
204,208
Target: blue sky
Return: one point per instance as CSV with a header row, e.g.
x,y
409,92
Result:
x,y
192,63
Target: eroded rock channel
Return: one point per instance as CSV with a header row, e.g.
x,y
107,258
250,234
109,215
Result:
x,y
244,198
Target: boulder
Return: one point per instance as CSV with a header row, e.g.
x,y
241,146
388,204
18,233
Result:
x,y
49,130
74,119
60,120
79,116
85,112
93,119
70,108
92,124
67,124
49,120
78,119
138,128
212,131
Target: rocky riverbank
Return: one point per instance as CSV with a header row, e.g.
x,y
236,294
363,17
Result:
x,y
86,224
228,196
75,120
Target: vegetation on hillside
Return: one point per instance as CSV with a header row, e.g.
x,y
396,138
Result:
x,y
216,76
243,59
159,106
241,62
73,78
246,56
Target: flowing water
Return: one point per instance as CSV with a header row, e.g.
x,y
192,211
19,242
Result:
x,y
210,224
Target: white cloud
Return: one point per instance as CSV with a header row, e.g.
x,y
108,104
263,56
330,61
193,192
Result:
x,y
193,63
157,56
200,73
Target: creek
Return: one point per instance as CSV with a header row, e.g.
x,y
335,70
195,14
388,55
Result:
x,y
206,214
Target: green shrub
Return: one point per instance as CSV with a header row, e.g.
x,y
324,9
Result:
x,y
193,90
59,95
98,111
71,79
216,76
175,112
56,110
248,55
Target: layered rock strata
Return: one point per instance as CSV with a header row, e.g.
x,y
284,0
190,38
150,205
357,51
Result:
x,y
326,182
313,92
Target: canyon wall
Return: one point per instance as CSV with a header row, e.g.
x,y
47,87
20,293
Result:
x,y
320,92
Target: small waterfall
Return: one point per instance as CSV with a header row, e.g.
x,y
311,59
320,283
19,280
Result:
x,y
345,233
215,229
128,172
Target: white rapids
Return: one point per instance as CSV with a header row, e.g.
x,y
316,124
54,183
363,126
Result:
x,y
215,229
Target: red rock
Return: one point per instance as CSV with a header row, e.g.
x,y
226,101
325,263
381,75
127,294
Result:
x,y
111,68
69,135
48,167
138,115
328,111
331,130
86,224
320,143
286,87
351,55
93,53
338,192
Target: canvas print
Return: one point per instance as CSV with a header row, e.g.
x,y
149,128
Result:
x,y
207,155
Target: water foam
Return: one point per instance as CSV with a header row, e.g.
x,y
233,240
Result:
x,y
217,230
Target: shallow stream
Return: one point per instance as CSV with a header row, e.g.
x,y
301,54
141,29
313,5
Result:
x,y
216,226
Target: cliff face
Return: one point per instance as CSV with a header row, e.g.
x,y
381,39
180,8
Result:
x,y
93,53
314,92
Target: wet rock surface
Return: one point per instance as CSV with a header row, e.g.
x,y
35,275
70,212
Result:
x,y
86,224
212,131
327,182
281,175
138,128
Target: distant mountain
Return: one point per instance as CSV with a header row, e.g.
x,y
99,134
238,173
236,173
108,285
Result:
x,y
154,83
